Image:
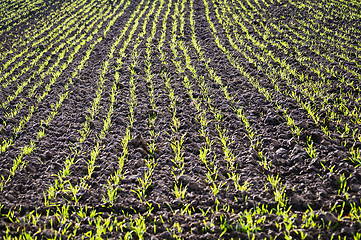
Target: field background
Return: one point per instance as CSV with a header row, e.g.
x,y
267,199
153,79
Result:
x,y
180,119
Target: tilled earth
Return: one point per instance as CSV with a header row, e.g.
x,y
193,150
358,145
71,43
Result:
x,y
315,201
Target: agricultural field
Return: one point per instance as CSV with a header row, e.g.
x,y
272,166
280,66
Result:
x,y
180,119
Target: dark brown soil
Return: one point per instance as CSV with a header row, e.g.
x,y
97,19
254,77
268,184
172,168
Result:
x,y
311,185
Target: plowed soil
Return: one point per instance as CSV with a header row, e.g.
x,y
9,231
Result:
x,y
311,187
